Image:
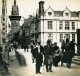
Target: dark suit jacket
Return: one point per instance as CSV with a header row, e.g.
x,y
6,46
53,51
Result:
x,y
48,50
41,50
39,59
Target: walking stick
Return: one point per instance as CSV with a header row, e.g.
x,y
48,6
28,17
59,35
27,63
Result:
x,y
43,62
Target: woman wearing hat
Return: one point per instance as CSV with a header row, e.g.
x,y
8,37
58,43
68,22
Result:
x,y
56,58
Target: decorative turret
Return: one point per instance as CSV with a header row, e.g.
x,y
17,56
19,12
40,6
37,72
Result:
x,y
41,8
15,10
15,19
14,2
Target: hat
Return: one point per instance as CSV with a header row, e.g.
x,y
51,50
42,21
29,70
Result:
x,y
48,41
55,43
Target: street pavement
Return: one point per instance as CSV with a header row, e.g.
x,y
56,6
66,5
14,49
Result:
x,y
29,69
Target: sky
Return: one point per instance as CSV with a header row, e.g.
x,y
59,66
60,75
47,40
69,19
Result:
x,y
29,7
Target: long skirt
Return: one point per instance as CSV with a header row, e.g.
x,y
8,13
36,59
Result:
x,y
56,60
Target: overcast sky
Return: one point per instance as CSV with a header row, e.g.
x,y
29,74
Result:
x,y
28,7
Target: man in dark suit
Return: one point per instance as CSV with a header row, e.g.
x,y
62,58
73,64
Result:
x,y
39,60
39,48
48,52
39,51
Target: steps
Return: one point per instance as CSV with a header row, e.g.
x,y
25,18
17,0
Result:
x,y
76,60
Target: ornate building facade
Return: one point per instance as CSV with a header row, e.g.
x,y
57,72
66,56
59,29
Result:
x,y
14,18
57,25
4,21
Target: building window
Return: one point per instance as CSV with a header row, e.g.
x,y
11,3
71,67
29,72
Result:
x,y
3,28
61,37
3,19
49,13
73,37
49,24
74,14
60,25
73,25
67,14
67,25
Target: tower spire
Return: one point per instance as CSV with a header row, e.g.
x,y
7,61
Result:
x,y
14,2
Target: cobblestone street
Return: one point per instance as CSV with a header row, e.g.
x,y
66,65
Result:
x,y
29,70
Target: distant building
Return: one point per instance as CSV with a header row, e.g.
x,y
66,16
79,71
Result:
x,y
4,21
0,32
24,32
30,28
14,18
56,25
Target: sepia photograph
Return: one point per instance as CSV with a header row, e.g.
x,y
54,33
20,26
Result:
x,y
39,37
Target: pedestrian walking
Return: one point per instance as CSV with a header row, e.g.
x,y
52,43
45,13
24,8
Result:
x,y
65,55
67,40
48,60
39,50
24,47
70,54
33,51
72,47
63,46
39,60
56,56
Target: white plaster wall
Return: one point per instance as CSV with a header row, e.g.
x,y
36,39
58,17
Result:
x,y
55,31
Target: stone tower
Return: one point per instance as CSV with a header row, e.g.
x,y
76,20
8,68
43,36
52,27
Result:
x,y
14,18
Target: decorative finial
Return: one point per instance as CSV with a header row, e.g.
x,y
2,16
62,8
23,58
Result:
x,y
14,2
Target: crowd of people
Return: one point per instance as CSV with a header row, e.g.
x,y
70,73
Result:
x,y
50,54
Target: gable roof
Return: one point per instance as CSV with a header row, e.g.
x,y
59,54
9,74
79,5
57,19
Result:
x,y
66,9
48,8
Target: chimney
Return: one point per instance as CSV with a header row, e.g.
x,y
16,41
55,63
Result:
x,y
41,8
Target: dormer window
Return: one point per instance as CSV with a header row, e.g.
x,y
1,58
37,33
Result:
x,y
49,13
67,14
